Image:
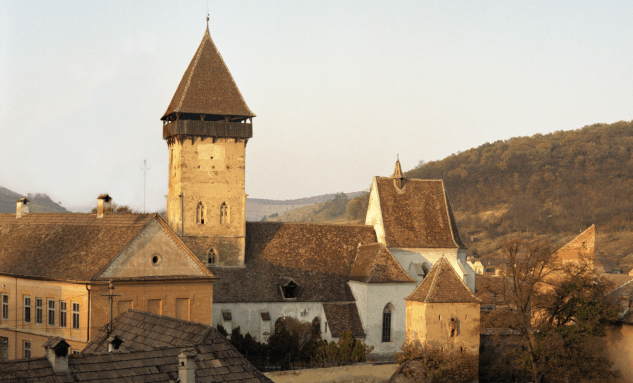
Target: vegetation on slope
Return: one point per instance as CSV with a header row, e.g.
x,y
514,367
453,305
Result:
x,y
39,202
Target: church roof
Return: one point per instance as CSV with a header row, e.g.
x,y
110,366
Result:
x,y
317,257
67,246
417,216
442,285
207,86
341,317
374,263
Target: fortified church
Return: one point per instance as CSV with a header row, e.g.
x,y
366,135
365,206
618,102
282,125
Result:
x,y
67,275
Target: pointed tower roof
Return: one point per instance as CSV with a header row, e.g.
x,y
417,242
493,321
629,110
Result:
x,y
442,285
207,86
397,173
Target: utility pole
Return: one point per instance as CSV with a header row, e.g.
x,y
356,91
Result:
x,y
110,296
145,169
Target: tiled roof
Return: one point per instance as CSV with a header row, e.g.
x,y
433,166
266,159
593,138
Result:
x,y
317,257
442,285
143,331
65,246
581,247
374,263
149,353
341,317
417,216
207,86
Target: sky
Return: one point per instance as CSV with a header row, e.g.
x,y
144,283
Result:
x,y
340,88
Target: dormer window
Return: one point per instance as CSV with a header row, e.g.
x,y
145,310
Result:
x,y
289,289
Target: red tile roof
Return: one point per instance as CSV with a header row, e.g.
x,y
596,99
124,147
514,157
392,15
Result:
x,y
442,285
374,263
341,317
417,216
207,86
317,257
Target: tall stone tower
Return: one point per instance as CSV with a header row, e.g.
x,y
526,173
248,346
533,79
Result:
x,y
207,126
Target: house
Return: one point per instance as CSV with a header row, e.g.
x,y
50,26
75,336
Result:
x,y
336,276
142,347
620,336
58,271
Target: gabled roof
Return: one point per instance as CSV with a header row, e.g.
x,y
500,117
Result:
x,y
374,263
580,248
69,246
207,86
216,360
623,291
317,257
143,331
341,317
442,285
417,216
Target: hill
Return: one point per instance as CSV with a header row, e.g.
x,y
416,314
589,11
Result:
x,y
258,209
40,203
555,185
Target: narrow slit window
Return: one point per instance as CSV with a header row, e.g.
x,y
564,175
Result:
x,y
386,323
200,213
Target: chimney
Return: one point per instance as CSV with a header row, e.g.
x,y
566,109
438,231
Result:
x,y
22,207
103,205
57,353
114,343
624,303
187,365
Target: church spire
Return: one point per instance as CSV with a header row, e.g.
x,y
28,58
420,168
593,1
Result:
x,y
398,176
207,88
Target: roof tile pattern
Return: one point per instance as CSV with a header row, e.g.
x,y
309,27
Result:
x,y
341,317
63,245
143,331
207,86
317,257
442,285
374,263
417,216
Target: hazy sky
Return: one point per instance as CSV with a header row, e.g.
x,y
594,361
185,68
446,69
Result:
x,y
339,87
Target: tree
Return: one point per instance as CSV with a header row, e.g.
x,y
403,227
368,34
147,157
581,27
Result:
x,y
558,309
438,365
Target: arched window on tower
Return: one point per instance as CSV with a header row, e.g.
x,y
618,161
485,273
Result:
x,y
211,257
201,213
224,214
386,322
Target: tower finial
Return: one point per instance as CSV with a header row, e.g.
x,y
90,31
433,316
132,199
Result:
x,y
397,175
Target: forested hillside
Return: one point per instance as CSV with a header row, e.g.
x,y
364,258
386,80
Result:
x,y
558,183
40,203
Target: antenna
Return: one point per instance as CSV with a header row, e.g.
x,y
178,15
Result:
x,y
145,169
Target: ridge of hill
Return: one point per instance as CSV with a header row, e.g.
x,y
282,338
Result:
x,y
257,208
39,203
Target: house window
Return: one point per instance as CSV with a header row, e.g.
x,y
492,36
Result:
x,y
62,314
75,315
227,321
27,309
224,214
201,213
27,349
211,257
265,326
5,306
386,323
51,312
38,310
289,290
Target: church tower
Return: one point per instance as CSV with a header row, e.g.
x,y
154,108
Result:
x,y
207,126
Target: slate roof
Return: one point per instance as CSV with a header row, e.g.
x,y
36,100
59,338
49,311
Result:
x,y
374,263
143,331
442,285
417,216
207,86
149,353
68,246
341,317
317,257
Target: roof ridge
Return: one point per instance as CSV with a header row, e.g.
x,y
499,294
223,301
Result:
x,y
448,214
437,272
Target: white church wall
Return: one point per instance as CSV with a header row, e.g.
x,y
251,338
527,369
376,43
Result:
x,y
375,297
407,257
248,315
374,213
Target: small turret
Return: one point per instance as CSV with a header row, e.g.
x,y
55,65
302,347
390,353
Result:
x,y
398,176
